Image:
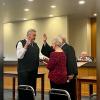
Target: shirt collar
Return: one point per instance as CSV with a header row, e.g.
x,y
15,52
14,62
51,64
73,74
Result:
x,y
63,45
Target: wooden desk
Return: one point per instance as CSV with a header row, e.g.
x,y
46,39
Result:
x,y
90,79
14,75
87,69
84,70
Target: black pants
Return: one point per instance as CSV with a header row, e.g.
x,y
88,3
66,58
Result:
x,y
58,86
27,78
71,88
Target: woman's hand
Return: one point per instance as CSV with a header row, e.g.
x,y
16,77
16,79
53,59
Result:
x,y
44,38
45,62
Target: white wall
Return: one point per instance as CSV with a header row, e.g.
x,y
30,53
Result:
x,y
80,34
1,39
76,30
16,31
1,57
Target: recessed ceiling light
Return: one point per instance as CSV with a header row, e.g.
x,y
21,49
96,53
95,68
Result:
x,y
51,15
95,14
53,6
3,3
30,0
24,18
26,9
81,2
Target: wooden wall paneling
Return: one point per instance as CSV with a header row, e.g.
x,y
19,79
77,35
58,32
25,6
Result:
x,y
93,37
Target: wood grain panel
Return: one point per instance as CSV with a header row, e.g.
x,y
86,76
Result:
x,y
82,72
93,37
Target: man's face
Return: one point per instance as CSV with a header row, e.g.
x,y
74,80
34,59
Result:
x,y
32,36
53,45
62,38
84,54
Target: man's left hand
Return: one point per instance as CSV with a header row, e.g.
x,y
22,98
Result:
x,y
70,77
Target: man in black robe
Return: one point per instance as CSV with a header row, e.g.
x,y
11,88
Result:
x,y
72,69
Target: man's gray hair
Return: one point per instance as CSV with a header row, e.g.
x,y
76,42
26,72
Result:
x,y
63,37
30,30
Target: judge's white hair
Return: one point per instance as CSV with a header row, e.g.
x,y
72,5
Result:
x,y
63,37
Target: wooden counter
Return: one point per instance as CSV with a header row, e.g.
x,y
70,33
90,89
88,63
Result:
x,y
87,70
84,69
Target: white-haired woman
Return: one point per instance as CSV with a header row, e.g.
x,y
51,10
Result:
x,y
57,66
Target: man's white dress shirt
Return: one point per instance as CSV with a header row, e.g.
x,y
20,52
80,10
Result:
x,y
20,50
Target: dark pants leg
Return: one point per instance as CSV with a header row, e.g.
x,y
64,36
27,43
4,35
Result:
x,y
57,86
32,79
58,97
27,78
23,78
71,88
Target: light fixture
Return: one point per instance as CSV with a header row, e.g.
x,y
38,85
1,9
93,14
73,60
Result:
x,y
3,3
81,2
53,6
51,15
24,18
26,9
30,0
95,14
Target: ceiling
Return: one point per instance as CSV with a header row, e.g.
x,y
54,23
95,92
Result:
x,y
13,10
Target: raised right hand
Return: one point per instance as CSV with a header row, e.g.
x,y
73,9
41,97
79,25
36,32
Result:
x,y
27,44
44,37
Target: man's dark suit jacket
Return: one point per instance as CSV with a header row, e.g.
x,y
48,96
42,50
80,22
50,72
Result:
x,y
69,52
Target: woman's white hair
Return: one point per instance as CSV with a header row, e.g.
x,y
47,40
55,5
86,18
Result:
x,y
57,41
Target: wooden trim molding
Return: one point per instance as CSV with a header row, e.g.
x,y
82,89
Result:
x,y
93,37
